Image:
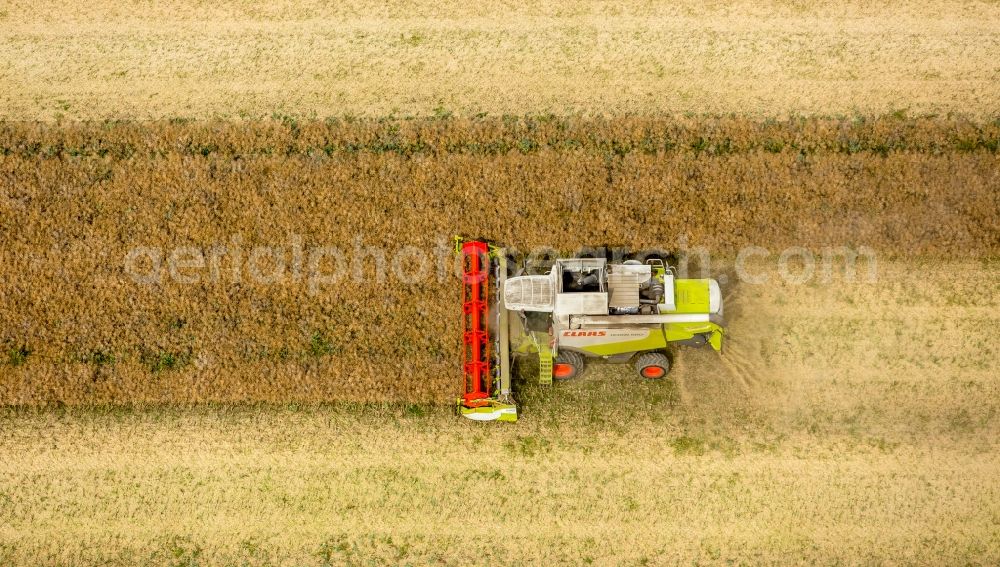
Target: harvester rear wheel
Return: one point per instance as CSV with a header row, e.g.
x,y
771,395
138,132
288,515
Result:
x,y
568,365
652,365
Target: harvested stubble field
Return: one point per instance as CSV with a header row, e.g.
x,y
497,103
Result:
x,y
244,59
81,324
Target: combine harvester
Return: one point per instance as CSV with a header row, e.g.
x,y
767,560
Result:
x,y
583,308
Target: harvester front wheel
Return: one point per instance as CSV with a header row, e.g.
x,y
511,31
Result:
x,y
652,365
568,365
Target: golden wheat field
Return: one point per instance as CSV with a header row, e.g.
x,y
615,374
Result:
x,y
230,316
312,262
243,59
850,423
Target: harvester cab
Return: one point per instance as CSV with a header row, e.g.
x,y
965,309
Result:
x,y
583,309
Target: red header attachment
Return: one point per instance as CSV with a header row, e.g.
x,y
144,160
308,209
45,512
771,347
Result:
x,y
476,339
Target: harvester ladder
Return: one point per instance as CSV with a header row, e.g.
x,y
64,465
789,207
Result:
x,y
475,305
544,365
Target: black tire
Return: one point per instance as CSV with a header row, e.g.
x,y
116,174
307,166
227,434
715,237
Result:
x,y
573,361
652,365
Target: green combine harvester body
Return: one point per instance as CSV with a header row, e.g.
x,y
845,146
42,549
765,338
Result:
x,y
582,309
